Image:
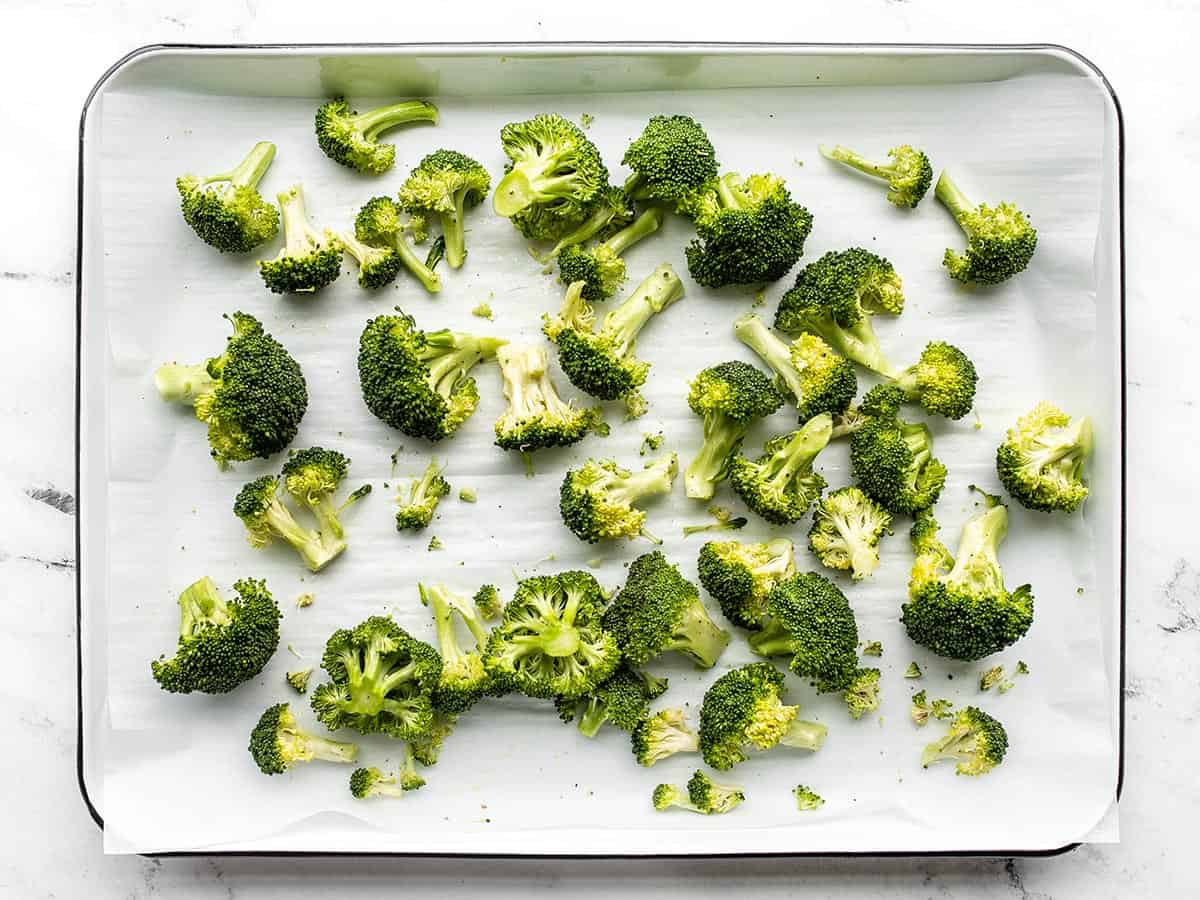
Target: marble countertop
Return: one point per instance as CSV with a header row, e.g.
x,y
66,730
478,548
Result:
x,y
53,50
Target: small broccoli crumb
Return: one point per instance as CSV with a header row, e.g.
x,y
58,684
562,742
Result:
x,y
760,298
296,653
467,495
435,543
635,407
299,680
806,798
483,311
978,426
651,441
305,599
595,562
586,119
919,710
1022,669
994,677
913,670
1079,592
942,709
724,518
874,648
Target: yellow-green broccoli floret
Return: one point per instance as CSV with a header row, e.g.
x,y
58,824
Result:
x,y
908,175
975,741
277,743
1041,461
489,601
373,782
298,680
942,381
446,183
862,694
623,701
601,269
781,485
377,266
703,795
464,678
1000,239
383,223
352,138
226,210
845,532
596,500
537,417
892,459
740,576
661,735
415,511
309,260
806,798
671,159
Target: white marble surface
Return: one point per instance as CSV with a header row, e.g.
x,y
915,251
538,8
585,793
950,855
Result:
x,y
51,51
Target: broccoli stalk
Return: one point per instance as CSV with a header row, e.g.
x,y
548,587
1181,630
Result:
x,y
377,266
352,138
1000,239
537,416
226,210
265,516
908,175
602,270
613,209
464,678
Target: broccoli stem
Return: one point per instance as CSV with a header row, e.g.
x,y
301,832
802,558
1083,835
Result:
x,y
862,557
857,343
454,234
955,745
799,451
299,237
698,637
656,478
183,384
297,744
754,333
773,640
804,735
201,604
635,185
316,552
730,198
448,367
595,714
428,278
951,197
977,563
652,296
591,226
376,121
722,435
641,227
250,171
856,161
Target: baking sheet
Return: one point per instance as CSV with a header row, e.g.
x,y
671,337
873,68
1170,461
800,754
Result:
x,y
513,780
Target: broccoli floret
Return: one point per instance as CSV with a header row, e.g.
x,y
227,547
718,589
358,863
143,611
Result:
x,y
806,798
623,701
427,747
658,611
221,644
556,174
298,680
908,175
835,298
729,397
743,709
845,532
382,223
597,500
723,520
815,378
703,796
1000,239
892,459
810,620
536,416
661,735
352,138
309,259
252,396
942,381
366,783
671,159
381,681
312,477
377,266
740,576
781,485
602,363
226,210
919,709
419,381
958,606
489,602
601,269
415,511
611,211
464,679
550,642
446,183
862,694
975,741
1041,461
277,743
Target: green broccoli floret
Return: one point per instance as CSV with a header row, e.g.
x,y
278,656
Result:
x,y
352,138
658,611
611,211
464,679
1041,461
958,606
781,485
298,680
1000,239
601,269
419,381
835,298
845,532
312,477
377,266
252,396
221,644
381,681
703,796
536,416
671,159
366,783
661,735
309,259
740,576
489,602
729,397
862,694
908,175
556,173
415,511
743,709
815,378
550,642
226,210
446,183
806,798
277,743
892,459
975,741
622,701
749,230
427,747
942,381
596,500
382,223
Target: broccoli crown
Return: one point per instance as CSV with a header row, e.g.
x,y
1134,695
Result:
x,y
221,644
489,602
596,500
671,159
226,210
781,485
658,611
536,416
656,737
974,740
550,642
309,259
942,381
623,700
601,269
846,286
959,607
277,743
748,230
266,517
908,175
611,211
740,576
810,620
862,694
377,266
372,782
381,681
845,532
252,396
464,679
314,473
415,511
447,183
418,381
893,459
1000,239
553,167
352,138
1041,461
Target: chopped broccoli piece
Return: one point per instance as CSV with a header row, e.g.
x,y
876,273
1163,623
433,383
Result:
x,y
942,709
893,459
908,175
304,600
277,743
1000,239
489,602
298,681
703,795
623,700
913,670
536,416
312,477
994,678
942,381
845,532
723,520
873,648
601,269
408,776
464,679
226,210
352,138
435,543
806,798
781,485
597,499
446,183
612,210
1022,668
741,576
483,311
382,223
377,266
919,708
467,495
427,747
975,741
651,441
661,735
366,783
415,511
1041,461
221,644
862,694
845,424
309,259
671,159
